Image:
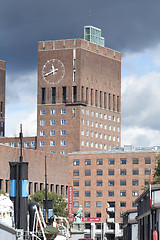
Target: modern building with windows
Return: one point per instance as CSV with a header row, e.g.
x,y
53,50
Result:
x,y
2,97
79,94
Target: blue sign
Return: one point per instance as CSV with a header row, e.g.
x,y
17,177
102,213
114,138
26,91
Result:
x,y
12,191
25,188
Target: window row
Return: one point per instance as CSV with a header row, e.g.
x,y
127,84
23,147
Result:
x,y
98,204
53,143
52,111
99,125
100,115
96,145
52,122
111,182
96,134
53,133
26,144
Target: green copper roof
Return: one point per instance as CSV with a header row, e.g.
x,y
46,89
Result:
x,y
93,34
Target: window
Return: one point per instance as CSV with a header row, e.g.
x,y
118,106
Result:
x,y
96,135
110,172
73,112
101,115
123,161
122,204
109,127
91,134
99,183
135,160
99,193
111,161
105,116
122,182
87,193
96,125
64,94
76,173
110,182
42,122
98,215
43,95
134,204
87,183
87,172
146,182
87,133
110,193
42,133
135,182
113,138
109,118
74,93
42,112
91,144
117,139
87,112
99,161
92,113
109,137
87,204
96,145
26,144
76,204
123,193
82,143
63,152
123,171
42,143
135,171
146,171
105,136
135,193
52,122
53,111
100,136
82,132
118,119
100,146
105,147
96,114
63,111
13,144
99,172
147,160
105,126
63,143
52,152
114,128
87,143
82,111
63,121
117,129
52,132
76,162
87,162
101,125
87,215
53,95
114,119
98,204
75,193
52,143
33,144
87,122
92,124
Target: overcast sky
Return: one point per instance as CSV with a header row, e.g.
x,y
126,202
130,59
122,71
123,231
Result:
x,y
131,27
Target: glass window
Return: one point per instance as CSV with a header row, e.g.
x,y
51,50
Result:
x,y
92,113
82,111
87,122
114,128
146,171
13,144
146,182
87,215
53,111
75,193
118,119
101,135
87,162
42,122
87,204
99,161
123,171
63,121
110,182
82,120
76,173
33,144
87,133
135,160
98,204
96,135
52,132
99,183
111,161
135,193
92,124
63,111
96,125
52,122
135,171
87,172
98,215
99,193
123,161
42,133
122,182
111,193
109,127
87,143
101,115
42,143
63,132
87,112
110,171
76,183
63,152
105,126
91,134
123,193
99,172
63,143
76,162
52,143
87,193
75,204
109,137
82,143
109,117
42,112
134,204
91,144
147,160
87,183
135,182
122,204
96,114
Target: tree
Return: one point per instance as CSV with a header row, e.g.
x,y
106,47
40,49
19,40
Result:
x,y
156,176
59,203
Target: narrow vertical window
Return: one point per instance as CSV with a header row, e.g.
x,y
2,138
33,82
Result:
x,y
100,98
43,95
105,100
64,95
87,95
74,94
53,95
82,93
113,102
109,101
91,96
117,103
96,98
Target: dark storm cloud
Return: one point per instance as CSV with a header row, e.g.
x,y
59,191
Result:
x,y
126,25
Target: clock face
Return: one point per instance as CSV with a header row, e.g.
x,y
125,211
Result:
x,y
53,71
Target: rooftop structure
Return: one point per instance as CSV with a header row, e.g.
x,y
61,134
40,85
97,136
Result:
x,y
93,34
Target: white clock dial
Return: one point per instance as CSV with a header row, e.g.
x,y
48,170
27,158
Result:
x,y
53,71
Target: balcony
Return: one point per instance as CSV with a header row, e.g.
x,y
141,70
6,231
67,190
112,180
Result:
x,y
110,220
110,209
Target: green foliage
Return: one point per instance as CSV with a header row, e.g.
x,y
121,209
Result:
x,y
156,177
59,203
2,192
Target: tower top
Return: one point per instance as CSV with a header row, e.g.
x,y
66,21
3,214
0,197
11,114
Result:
x,y
93,34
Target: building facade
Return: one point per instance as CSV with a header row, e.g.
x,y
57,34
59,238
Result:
x,y
2,97
107,184
79,96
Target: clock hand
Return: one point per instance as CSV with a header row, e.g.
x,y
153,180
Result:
x,y
47,74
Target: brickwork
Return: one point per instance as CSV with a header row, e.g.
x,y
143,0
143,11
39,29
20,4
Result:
x,y
2,97
28,142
